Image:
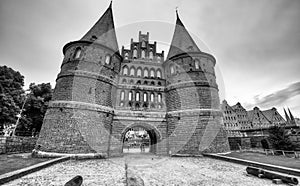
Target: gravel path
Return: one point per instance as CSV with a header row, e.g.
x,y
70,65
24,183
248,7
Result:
x,y
154,170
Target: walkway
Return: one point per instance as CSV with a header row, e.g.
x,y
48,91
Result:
x,y
153,170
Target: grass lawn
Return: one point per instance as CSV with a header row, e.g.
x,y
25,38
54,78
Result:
x,y
14,162
270,159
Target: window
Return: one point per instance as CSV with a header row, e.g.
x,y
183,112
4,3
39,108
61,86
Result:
x,y
135,53
151,55
132,71
137,96
143,43
145,97
125,71
158,58
77,53
159,98
152,97
139,72
130,96
124,81
107,59
121,104
152,73
146,73
126,55
158,74
122,95
143,54
172,69
197,64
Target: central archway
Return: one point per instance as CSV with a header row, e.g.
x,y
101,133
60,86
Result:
x,y
149,139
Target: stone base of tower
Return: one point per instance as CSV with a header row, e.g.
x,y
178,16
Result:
x,y
74,130
197,134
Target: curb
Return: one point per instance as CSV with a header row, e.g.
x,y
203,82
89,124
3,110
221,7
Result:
x,y
7,177
286,170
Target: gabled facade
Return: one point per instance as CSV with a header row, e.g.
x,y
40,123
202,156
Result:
x,y
230,120
242,116
101,94
274,117
257,119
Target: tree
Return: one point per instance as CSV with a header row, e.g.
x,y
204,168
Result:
x,y
279,139
35,108
11,83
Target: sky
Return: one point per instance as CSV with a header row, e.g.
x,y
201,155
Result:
x,y
256,43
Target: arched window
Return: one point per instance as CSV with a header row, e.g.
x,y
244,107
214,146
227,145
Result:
x,y
152,74
152,83
135,53
197,64
132,72
122,95
77,52
150,55
130,96
125,71
131,81
158,58
126,55
124,81
152,97
158,74
172,69
139,72
107,59
121,104
137,96
146,73
159,106
145,97
143,43
159,98
143,54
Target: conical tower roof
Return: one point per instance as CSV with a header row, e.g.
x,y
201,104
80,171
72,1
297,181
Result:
x,y
103,32
182,42
291,116
286,116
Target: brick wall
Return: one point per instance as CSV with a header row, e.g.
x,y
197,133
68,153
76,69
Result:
x,y
16,144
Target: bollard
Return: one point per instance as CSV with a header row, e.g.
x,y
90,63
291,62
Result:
x,y
76,181
270,175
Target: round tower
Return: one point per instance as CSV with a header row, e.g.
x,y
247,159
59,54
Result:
x,y
79,117
193,108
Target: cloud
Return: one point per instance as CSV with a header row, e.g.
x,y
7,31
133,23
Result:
x,y
279,97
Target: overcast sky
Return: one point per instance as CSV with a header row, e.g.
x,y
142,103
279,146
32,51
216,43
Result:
x,y
256,42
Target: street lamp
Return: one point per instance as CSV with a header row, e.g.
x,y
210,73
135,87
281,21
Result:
x,y
20,114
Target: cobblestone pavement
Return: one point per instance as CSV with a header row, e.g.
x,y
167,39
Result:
x,y
154,170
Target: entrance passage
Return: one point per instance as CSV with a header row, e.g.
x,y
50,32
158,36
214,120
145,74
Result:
x,y
139,140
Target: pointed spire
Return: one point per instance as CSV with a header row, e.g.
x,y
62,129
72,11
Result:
x,y
182,42
286,116
291,116
103,32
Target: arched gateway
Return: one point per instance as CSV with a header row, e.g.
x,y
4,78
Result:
x,y
101,93
151,139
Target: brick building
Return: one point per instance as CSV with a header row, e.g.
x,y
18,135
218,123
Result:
x,y
238,120
230,119
101,94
